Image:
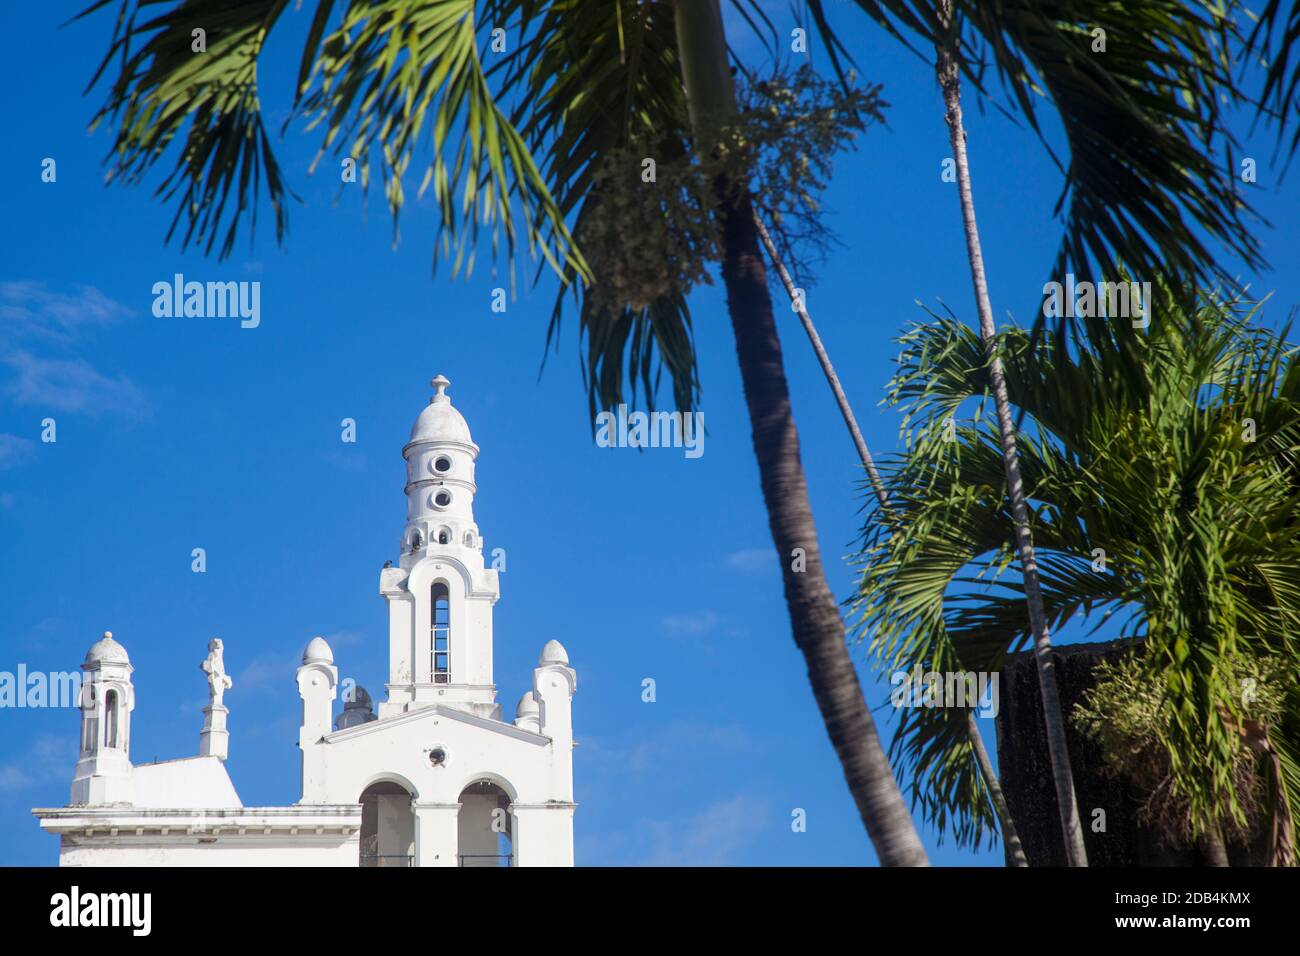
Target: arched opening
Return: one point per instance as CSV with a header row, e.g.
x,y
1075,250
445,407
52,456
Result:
x,y
387,825
89,731
110,719
485,826
440,626
444,536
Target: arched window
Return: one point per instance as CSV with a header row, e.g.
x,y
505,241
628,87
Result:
x,y
441,634
444,536
416,541
90,729
469,539
110,719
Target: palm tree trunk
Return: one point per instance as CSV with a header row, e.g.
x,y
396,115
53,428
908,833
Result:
x,y
1213,849
950,81
814,614
1010,838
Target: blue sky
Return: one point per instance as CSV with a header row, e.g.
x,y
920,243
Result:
x,y
182,433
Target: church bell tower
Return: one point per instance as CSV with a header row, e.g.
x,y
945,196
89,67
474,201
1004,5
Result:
x,y
440,596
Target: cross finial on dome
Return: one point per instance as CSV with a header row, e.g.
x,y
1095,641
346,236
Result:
x,y
440,383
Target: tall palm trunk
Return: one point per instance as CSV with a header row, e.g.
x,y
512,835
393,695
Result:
x,y
1213,850
949,76
1010,838
814,614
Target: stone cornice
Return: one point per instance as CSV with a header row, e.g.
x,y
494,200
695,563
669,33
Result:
x,y
440,710
305,819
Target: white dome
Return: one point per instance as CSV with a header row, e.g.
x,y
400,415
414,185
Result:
x,y
107,650
440,421
527,705
318,652
554,653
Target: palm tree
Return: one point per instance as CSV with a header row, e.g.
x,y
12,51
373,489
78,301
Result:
x,y
1050,47
992,786
1166,208
949,77
815,615
391,70
390,65
1172,458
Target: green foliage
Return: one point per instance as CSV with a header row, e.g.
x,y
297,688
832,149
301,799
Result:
x,y
789,128
1144,122
1136,443
1130,717
651,236
166,93
1274,39
589,80
648,240
406,88
391,75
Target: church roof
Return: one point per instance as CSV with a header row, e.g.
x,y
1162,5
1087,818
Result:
x,y
440,421
186,783
107,650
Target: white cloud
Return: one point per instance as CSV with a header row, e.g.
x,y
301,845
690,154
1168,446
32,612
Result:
x,y
14,450
713,837
688,742
35,319
274,670
752,560
691,624
48,758
30,309
266,671
344,639
72,385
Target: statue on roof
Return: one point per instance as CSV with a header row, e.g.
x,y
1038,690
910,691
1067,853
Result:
x,y
215,667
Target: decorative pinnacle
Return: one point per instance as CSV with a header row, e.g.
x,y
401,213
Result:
x,y
109,635
440,383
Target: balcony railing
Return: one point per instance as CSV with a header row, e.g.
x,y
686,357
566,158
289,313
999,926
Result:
x,y
388,859
486,859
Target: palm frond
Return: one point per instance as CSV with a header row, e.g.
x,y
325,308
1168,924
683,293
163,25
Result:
x,y
387,81
1161,468
1143,181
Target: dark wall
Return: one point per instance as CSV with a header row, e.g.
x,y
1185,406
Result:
x,y
1027,776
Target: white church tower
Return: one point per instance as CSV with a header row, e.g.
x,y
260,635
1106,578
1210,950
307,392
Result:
x,y
436,778
441,577
442,779
103,773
